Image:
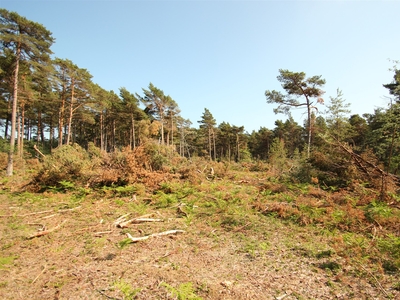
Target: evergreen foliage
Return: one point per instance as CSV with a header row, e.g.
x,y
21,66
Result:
x,y
27,42
296,85
54,103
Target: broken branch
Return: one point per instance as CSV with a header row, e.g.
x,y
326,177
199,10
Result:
x,y
29,214
36,278
100,233
38,151
121,219
142,238
121,222
137,221
41,233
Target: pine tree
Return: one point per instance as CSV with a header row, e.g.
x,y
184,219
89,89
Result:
x,y
296,85
337,111
30,42
131,104
158,105
207,126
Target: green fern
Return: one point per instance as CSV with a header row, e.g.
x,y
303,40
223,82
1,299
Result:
x,y
185,291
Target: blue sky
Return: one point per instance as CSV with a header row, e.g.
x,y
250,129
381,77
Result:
x,y
223,55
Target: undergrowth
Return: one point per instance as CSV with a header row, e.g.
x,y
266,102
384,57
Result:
x,y
360,228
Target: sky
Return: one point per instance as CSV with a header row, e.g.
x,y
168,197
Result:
x,y
224,54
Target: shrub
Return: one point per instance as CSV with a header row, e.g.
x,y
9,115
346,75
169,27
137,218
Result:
x,y
66,163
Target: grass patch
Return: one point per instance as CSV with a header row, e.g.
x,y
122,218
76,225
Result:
x,y
5,261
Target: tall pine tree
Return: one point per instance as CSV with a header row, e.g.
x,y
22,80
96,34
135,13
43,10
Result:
x,y
30,42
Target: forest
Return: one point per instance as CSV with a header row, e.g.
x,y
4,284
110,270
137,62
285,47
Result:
x,y
67,140
50,102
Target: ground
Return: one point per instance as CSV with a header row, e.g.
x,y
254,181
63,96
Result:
x,y
67,245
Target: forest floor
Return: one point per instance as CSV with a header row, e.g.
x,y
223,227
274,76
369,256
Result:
x,y
74,245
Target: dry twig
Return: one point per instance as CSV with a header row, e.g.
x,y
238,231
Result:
x,y
108,297
137,221
100,233
40,212
41,233
142,238
121,222
29,214
121,219
69,209
377,282
36,278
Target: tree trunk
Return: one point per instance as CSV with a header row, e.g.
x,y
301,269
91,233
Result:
x,y
40,132
215,151
21,132
133,132
8,116
209,143
102,145
71,111
237,148
162,132
10,164
393,136
29,129
51,137
172,130
114,129
309,127
162,122
18,132
61,116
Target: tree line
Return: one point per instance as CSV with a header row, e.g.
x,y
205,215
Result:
x,y
50,102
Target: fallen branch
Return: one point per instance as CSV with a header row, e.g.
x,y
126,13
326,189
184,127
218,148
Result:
x,y
100,233
281,297
41,233
363,164
242,227
50,216
121,219
38,151
61,211
29,214
142,238
68,209
44,269
121,222
40,227
137,221
36,213
101,292
40,212
377,281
